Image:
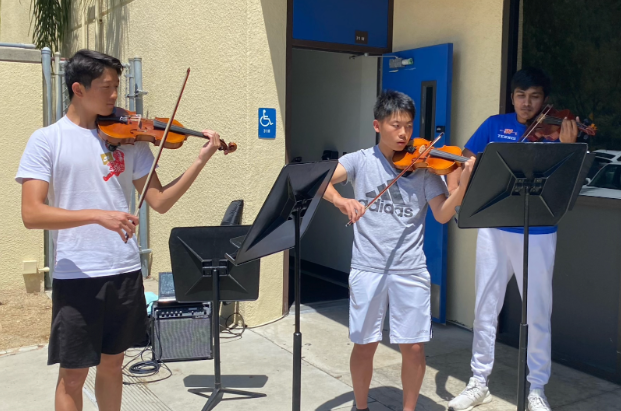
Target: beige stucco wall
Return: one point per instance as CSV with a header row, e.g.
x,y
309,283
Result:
x,y
21,113
15,21
236,52
475,29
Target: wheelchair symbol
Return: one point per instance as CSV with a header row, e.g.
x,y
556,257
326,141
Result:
x,y
265,120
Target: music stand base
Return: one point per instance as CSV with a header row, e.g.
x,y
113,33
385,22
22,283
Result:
x,y
218,393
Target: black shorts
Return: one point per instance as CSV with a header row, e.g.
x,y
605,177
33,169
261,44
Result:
x,y
94,316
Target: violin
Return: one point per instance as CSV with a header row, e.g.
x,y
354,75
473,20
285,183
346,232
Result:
x,y
440,161
420,153
126,127
549,121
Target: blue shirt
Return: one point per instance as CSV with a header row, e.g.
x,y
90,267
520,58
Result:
x,y
502,128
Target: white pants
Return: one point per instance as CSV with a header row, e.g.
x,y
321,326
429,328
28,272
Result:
x,y
410,308
499,255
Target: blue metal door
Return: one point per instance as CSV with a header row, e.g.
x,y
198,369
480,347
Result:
x,y
426,75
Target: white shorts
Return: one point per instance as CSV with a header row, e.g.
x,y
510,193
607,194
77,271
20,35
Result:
x,y
370,294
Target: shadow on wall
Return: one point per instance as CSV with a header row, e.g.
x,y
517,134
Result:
x,y
116,29
276,29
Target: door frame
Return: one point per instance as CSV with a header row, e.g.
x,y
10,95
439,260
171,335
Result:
x,y
509,52
320,46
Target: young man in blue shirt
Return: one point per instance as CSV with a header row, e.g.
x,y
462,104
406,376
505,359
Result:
x,y
499,255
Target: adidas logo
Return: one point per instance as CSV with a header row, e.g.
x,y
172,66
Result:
x,y
391,202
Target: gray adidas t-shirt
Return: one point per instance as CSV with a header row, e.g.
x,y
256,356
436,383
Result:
x,y
389,236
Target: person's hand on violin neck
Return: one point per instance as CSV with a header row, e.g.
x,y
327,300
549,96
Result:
x,y
453,180
443,208
569,130
211,146
466,172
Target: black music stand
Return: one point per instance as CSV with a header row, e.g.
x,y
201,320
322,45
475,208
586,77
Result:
x,y
523,185
280,224
201,273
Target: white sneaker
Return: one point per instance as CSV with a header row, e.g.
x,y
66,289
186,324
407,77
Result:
x,y
475,394
537,401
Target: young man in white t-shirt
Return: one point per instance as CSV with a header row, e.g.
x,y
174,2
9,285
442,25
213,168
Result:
x,y
98,303
388,264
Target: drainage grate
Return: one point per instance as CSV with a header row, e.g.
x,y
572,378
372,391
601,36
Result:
x,y
136,397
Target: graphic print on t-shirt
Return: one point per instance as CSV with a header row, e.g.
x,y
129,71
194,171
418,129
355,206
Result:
x,y
116,162
508,134
391,201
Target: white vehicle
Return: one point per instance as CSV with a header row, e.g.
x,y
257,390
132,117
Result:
x,y
606,183
603,157
611,155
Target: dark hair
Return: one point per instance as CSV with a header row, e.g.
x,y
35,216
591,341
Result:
x,y
86,65
391,102
531,77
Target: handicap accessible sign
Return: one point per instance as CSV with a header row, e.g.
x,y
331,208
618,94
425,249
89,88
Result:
x,y
267,123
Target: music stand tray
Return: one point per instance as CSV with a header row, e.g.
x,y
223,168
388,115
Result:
x,y
523,185
201,273
280,224
193,252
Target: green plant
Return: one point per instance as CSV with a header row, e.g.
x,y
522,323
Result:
x,y
50,22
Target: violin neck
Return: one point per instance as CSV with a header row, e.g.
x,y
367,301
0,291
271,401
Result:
x,y
115,119
448,156
558,121
177,129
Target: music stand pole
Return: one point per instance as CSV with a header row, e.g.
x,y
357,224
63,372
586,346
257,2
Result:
x,y
215,326
523,346
297,335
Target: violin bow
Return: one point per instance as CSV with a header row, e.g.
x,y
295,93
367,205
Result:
x,y
159,152
162,143
533,126
405,170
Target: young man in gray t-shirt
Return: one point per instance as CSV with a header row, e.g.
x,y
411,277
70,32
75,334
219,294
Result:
x,y
388,263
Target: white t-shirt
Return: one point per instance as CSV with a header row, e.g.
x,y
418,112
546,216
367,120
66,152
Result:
x,y
84,174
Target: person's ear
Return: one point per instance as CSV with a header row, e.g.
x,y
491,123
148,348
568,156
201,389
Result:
x,y
376,126
78,89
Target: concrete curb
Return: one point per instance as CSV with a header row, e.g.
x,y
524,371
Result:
x,y
18,350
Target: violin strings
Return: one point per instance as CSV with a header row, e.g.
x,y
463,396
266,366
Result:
x,y
533,126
